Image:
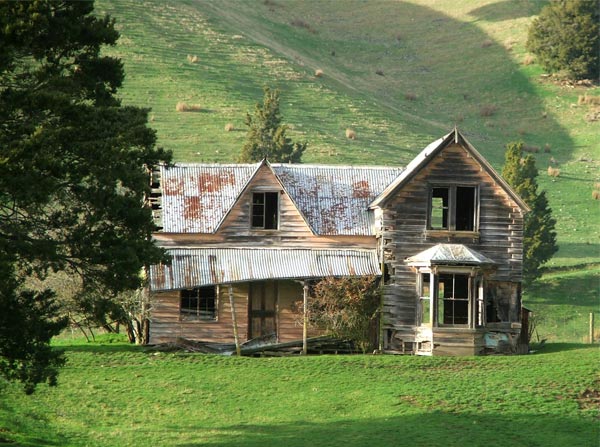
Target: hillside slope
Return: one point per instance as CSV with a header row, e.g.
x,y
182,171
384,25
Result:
x,y
399,73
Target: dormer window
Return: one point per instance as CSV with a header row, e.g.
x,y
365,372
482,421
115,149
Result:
x,y
453,208
265,210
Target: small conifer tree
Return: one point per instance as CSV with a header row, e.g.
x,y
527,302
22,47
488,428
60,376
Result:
x,y
266,134
566,37
539,237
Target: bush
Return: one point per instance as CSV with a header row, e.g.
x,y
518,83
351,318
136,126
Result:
x,y
565,37
345,308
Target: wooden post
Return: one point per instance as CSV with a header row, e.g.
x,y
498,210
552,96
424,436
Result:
x,y
234,319
305,321
591,327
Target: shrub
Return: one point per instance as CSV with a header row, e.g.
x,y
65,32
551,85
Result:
x,y
184,107
410,96
345,307
351,134
553,172
192,59
229,127
566,37
488,110
318,73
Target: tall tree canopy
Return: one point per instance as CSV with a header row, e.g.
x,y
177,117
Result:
x,y
266,134
566,37
539,237
73,173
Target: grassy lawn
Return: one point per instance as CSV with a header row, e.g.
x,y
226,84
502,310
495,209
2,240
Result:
x,y
120,395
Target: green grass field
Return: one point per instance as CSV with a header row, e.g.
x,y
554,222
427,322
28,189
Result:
x,y
114,394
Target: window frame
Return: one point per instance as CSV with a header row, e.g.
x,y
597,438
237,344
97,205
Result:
x,y
264,204
200,313
451,207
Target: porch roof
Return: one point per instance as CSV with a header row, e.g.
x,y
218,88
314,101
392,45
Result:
x,y
209,266
449,254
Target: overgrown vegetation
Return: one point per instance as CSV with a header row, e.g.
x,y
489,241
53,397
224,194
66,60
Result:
x,y
266,137
566,38
345,308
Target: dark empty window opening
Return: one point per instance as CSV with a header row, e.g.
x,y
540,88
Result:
x,y
199,303
453,299
453,208
265,210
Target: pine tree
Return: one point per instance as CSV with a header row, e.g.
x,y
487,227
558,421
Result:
x,y
266,134
539,236
566,37
73,173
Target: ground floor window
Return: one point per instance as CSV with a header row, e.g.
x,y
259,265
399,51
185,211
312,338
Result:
x,y
450,298
199,303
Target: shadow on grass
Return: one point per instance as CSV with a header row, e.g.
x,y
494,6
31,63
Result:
x,y
103,348
437,428
578,290
505,10
551,348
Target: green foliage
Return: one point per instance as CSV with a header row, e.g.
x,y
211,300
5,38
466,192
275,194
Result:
x,y
346,308
566,37
266,135
73,161
539,236
177,399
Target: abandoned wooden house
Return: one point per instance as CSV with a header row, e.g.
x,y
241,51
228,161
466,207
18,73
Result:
x,y
444,233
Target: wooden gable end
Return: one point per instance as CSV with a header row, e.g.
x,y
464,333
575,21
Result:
x,y
238,222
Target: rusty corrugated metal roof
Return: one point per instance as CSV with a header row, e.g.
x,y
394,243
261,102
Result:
x,y
445,254
332,199
196,197
335,199
207,266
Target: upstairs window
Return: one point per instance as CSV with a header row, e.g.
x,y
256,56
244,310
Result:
x,y
265,210
199,304
453,208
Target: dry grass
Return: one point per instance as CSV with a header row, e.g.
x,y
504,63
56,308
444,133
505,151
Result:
x,y
351,134
528,59
185,107
488,110
229,127
410,96
192,59
553,172
589,100
318,73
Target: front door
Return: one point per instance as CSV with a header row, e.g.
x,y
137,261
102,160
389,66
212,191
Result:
x,y
262,304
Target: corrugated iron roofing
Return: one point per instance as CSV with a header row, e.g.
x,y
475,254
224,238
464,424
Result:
x,y
196,197
449,254
335,199
332,199
201,267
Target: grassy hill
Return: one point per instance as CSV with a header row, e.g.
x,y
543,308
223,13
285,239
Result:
x,y
120,395
398,73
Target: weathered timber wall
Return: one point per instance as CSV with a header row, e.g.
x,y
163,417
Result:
x,y
404,230
167,325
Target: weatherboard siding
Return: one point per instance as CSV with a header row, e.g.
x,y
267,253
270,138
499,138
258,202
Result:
x,y
404,231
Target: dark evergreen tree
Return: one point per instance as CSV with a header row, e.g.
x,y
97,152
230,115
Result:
x,y
566,37
73,171
266,134
539,236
